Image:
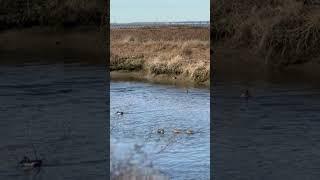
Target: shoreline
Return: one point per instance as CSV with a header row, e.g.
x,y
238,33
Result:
x,y
145,78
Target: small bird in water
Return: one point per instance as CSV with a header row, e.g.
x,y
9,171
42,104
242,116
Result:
x,y
160,131
119,112
26,163
189,131
246,94
177,131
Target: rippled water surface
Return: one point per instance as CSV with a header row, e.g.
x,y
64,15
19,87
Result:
x,y
61,110
148,107
273,135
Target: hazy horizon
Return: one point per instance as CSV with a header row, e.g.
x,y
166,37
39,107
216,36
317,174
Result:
x,y
140,11
160,22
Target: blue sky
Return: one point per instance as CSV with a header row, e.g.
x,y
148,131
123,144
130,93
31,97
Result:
x,y
124,11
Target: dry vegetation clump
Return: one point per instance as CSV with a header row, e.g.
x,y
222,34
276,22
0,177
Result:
x,y
200,73
126,63
181,53
285,32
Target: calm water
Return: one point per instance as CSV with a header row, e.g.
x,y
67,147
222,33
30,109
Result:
x,y
273,135
148,107
61,110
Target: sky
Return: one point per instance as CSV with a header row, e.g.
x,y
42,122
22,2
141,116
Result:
x,y
126,11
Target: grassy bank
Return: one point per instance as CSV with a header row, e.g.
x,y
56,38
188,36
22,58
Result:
x,y
279,33
177,53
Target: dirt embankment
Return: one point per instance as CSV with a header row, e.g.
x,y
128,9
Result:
x,y
279,33
172,53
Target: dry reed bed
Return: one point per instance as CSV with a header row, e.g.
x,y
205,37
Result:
x,y
284,32
176,52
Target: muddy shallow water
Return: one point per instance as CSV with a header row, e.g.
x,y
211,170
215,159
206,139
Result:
x,y
148,107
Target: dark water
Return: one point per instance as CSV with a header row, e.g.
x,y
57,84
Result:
x,y
148,107
273,135
61,110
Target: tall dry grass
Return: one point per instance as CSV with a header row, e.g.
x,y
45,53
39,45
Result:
x,y
285,32
181,53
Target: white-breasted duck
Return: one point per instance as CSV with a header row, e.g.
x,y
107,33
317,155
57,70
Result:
x,y
119,112
27,163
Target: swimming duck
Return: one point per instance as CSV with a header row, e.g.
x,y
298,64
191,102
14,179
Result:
x,y
177,131
119,112
160,131
189,131
27,163
246,94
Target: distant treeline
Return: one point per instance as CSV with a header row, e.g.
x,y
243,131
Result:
x,y
58,13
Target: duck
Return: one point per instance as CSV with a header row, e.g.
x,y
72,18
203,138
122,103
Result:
x,y
160,131
246,94
119,112
28,163
189,131
177,131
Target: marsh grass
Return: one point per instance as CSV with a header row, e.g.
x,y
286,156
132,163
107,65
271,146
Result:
x,y
178,53
126,63
284,32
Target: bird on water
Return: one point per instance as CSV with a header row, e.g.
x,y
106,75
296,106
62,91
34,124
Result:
x,y
160,131
246,94
28,163
119,112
